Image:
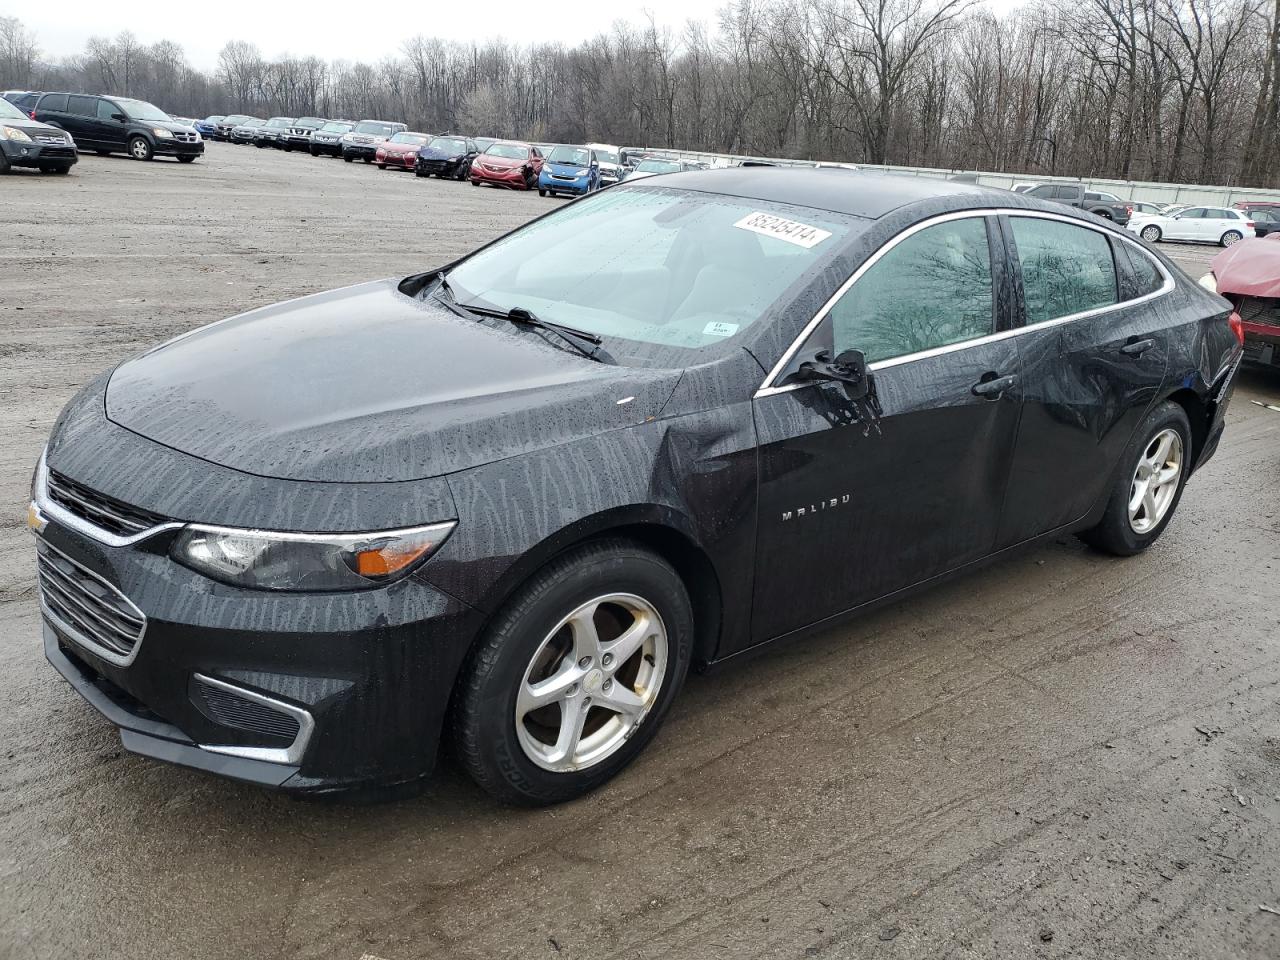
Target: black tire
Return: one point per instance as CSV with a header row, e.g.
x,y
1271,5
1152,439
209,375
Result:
x,y
1115,533
368,160
315,152
288,148
4,163
475,183
382,166
482,717
1151,233
140,148
61,168
541,192
1230,237
418,172
186,159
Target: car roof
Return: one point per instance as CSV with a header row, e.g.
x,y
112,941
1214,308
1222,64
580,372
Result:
x,y
854,192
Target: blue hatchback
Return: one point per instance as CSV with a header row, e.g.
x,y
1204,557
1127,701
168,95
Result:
x,y
569,169
206,126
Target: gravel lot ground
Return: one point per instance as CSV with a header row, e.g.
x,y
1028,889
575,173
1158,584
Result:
x,y
1063,755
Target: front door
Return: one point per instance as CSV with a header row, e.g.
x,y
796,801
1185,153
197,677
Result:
x,y
1187,225
858,500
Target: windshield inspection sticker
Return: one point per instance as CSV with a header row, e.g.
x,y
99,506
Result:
x,y
790,231
718,328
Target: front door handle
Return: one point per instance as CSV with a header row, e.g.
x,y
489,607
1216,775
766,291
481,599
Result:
x,y
994,388
1137,348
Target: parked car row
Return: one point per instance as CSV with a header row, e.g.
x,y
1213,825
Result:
x,y
65,123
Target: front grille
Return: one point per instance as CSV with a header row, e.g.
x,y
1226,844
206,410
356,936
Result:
x,y
59,152
46,138
91,608
106,513
228,709
183,136
1264,310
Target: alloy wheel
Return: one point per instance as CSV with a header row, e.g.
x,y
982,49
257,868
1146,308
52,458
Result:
x,y
1230,237
1155,481
1151,234
591,682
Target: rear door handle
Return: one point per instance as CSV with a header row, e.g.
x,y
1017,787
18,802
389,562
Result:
x,y
1137,348
994,388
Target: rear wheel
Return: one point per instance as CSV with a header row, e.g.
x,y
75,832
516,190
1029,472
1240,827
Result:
x,y
140,149
1230,237
575,675
1152,476
1151,233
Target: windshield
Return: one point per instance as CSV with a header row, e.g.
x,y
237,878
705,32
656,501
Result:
x,y
606,156
509,150
332,127
9,112
448,145
213,119
673,268
311,122
409,138
279,121
141,110
253,123
374,128
658,166
578,156
235,118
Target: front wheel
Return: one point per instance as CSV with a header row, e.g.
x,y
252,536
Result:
x,y
186,159
1150,233
573,678
1152,476
541,192
140,149
1230,237
346,158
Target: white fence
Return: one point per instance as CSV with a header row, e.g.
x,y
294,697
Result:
x,y
1199,194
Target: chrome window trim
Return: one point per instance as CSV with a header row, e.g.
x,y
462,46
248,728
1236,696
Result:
x,y
291,754
79,637
766,389
55,511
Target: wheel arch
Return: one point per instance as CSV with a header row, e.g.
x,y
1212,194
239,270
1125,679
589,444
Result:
x,y
662,530
1198,415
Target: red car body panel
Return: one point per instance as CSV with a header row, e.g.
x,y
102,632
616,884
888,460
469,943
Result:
x,y
402,155
507,171
1248,274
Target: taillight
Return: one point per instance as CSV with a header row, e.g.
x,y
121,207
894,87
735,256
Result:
x,y
1237,326
33,114
1129,211
1248,225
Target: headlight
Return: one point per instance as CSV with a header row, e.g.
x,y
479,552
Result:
x,y
13,133
197,135
1209,282
162,133
263,560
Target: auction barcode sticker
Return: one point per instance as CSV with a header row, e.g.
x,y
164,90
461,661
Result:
x,y
791,231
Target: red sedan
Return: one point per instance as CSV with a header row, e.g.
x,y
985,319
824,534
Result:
x,y
508,163
401,151
1248,274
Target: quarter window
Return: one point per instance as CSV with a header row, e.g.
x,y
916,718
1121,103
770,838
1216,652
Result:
x,y
1147,278
57,102
1065,269
932,289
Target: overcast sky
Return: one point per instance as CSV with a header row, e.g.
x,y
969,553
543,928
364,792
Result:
x,y
346,30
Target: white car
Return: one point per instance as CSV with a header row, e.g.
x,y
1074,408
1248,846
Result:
x,y
610,165
1221,225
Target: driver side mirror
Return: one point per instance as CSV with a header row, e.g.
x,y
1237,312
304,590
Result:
x,y
849,367
119,116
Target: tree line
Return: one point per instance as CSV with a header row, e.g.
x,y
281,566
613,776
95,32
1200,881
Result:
x,y
1185,91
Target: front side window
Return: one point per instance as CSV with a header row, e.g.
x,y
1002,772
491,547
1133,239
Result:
x,y
1192,213
670,268
1066,269
1045,191
930,290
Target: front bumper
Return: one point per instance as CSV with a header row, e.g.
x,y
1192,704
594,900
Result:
x,y
366,675
333,148
438,168
1262,344
513,178
401,161
296,141
555,184
37,154
359,151
179,148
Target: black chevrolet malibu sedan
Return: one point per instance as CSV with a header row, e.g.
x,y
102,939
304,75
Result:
x,y
510,502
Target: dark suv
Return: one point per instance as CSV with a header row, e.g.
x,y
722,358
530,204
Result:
x,y
298,136
26,143
119,125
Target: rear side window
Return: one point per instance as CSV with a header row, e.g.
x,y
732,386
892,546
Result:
x,y
1065,269
57,102
931,290
82,106
1147,277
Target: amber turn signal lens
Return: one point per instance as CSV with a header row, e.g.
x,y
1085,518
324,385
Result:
x,y
394,557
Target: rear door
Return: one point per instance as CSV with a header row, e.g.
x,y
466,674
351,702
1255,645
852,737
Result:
x,y
1094,349
52,109
857,501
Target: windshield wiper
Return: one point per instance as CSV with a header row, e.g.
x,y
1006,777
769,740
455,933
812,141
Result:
x,y
449,300
587,344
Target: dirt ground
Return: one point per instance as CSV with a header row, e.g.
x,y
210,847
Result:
x,y
1065,755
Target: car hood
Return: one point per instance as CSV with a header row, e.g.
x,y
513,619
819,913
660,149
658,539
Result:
x,y
434,153
171,126
33,126
400,147
500,163
1250,268
365,384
